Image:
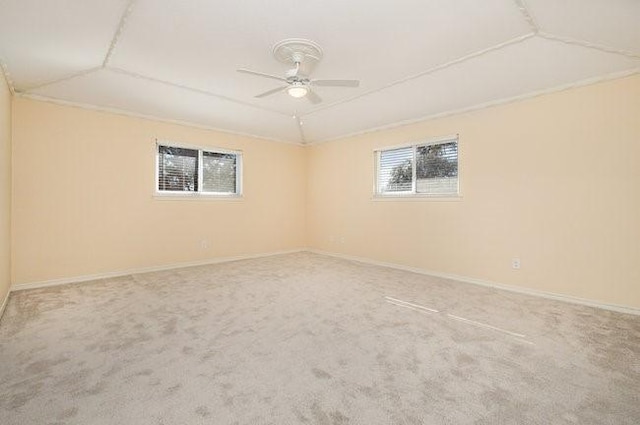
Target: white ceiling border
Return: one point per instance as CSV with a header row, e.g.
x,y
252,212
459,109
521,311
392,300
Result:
x,y
118,32
61,79
587,44
485,105
300,129
431,70
526,14
126,113
7,76
191,89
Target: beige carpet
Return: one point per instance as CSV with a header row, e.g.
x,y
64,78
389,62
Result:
x,y
308,339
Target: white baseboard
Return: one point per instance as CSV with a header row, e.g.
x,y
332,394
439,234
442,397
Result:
x,y
4,303
465,279
88,278
486,283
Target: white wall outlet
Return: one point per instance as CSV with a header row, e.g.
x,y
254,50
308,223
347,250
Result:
x,y
515,263
204,244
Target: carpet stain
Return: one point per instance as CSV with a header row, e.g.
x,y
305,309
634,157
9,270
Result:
x,y
67,413
321,374
463,359
95,389
18,400
334,417
173,389
43,366
170,327
144,372
203,411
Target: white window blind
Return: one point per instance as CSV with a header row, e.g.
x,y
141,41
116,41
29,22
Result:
x,y
198,171
395,168
218,172
422,169
178,169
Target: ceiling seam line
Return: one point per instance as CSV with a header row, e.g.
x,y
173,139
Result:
x,y
118,32
7,76
484,105
429,71
61,79
127,113
526,14
192,89
587,44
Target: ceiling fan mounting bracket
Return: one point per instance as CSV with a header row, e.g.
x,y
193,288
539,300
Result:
x,y
292,51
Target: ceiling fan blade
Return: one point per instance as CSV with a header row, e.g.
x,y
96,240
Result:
x,y
313,97
261,74
272,91
336,83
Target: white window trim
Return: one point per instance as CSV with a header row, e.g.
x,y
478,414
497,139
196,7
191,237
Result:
x,y
182,195
413,195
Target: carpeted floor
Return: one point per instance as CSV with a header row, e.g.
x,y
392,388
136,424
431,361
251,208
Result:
x,y
309,339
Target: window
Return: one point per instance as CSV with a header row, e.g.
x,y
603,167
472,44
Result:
x,y
423,169
184,171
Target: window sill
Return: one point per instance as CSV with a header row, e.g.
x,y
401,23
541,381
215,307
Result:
x,y
417,198
195,197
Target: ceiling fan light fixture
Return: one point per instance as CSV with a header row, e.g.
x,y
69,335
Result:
x,y
297,90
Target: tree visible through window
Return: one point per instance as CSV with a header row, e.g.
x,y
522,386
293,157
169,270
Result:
x,y
198,171
178,169
436,169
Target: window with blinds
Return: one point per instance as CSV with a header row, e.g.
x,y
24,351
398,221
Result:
x,y
183,170
423,169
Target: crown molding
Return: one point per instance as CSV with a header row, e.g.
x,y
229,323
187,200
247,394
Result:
x,y
485,105
28,90
582,43
118,32
124,112
431,70
300,129
304,142
192,89
61,79
520,4
7,76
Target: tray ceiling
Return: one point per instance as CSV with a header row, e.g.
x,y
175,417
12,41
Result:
x,y
414,58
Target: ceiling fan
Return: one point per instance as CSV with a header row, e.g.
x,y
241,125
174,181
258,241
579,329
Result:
x,y
303,55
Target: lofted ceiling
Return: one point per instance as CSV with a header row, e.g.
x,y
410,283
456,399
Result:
x,y
177,60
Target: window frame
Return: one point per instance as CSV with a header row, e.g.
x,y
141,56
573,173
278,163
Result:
x,y
413,194
199,194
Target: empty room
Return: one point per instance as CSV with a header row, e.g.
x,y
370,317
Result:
x,y
319,212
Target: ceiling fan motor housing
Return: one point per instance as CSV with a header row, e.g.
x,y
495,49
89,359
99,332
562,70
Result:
x,y
303,52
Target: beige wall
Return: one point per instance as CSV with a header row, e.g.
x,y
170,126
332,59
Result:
x,y
83,196
5,189
553,180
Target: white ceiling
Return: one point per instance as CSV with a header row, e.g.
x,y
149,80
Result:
x,y
177,60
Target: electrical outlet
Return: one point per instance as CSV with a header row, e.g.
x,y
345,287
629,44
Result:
x,y
515,263
204,244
